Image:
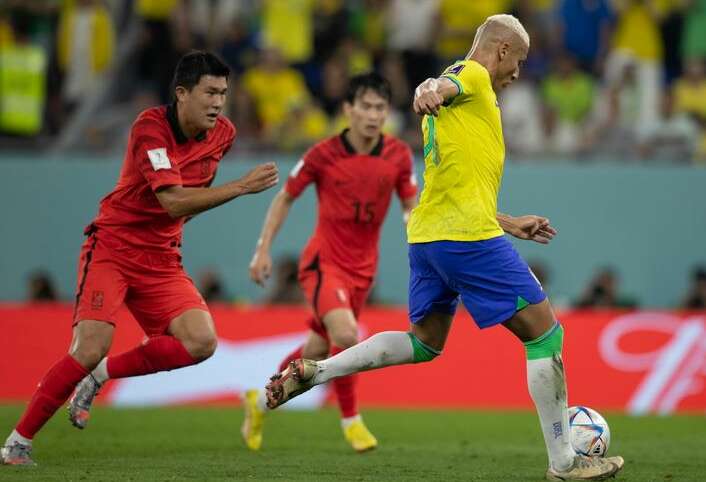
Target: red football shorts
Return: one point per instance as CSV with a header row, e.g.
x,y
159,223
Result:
x,y
153,285
327,289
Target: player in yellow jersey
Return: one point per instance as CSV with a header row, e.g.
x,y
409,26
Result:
x,y
458,249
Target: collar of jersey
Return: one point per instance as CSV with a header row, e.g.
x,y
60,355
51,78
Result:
x,y
176,128
377,150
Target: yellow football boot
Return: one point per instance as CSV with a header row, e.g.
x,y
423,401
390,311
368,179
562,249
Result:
x,y
360,438
251,430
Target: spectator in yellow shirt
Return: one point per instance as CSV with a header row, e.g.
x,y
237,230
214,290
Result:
x,y
690,97
85,44
638,42
276,90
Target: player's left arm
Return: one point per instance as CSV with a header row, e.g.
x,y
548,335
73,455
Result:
x,y
431,94
530,227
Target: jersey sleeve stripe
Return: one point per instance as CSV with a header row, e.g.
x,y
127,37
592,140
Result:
x,y
458,83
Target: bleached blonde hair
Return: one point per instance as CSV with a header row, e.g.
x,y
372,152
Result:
x,y
502,21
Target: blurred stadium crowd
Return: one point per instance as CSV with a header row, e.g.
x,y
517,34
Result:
x,y
614,79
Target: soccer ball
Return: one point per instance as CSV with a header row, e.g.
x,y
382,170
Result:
x,y
590,434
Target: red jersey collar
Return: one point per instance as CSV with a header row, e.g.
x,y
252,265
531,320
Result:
x,y
377,150
176,128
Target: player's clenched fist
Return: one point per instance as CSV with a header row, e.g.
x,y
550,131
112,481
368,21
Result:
x,y
260,178
260,267
427,98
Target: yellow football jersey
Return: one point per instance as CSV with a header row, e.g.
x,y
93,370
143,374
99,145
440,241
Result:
x,y
464,153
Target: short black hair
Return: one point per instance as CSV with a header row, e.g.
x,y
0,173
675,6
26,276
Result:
x,y
195,64
371,80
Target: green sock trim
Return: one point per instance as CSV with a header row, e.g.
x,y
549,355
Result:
x,y
547,345
521,303
422,351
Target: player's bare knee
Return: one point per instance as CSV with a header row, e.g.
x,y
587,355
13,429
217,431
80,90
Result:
x,y
201,347
88,355
345,338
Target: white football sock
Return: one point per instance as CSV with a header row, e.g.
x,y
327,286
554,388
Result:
x,y
346,422
547,386
100,373
16,437
380,350
262,401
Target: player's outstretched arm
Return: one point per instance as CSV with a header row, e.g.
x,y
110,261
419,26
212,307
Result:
x,y
530,227
181,201
431,94
261,264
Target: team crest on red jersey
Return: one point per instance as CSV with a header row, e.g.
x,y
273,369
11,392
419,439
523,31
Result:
x,y
97,300
205,167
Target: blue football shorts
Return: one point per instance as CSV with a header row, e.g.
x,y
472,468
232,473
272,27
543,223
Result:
x,y
489,276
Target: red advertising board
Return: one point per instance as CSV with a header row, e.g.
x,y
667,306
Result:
x,y
634,361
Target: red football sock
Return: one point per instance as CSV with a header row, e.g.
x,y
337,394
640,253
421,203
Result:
x,y
157,354
291,357
345,391
51,393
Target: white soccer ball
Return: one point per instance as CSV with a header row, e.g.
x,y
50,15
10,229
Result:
x,y
590,434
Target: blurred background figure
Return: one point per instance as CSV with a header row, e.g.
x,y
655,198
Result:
x,y
40,287
696,295
285,289
23,68
637,43
85,49
673,136
158,47
211,286
560,300
567,95
603,291
690,98
277,90
584,29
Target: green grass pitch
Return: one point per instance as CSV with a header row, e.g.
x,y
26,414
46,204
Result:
x,y
197,444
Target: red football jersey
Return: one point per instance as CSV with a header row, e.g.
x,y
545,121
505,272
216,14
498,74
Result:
x,y
354,192
159,155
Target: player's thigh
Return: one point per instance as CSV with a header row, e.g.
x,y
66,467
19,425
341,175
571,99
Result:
x,y
331,297
101,285
433,329
493,280
532,322
359,296
430,296
157,299
341,326
195,329
316,347
90,342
